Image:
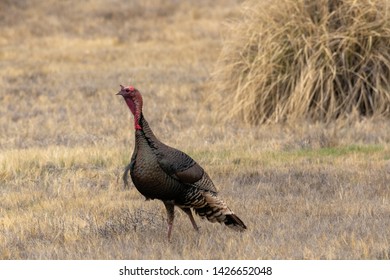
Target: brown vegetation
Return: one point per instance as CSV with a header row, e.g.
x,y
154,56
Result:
x,y
322,60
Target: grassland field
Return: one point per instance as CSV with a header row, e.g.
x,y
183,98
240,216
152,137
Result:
x,y
305,191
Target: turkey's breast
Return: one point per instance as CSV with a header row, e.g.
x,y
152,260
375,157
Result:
x,y
149,178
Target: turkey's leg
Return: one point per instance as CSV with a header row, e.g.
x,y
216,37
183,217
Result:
x,y
189,213
170,216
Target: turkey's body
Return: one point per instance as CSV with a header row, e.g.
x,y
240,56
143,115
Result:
x,y
162,172
153,167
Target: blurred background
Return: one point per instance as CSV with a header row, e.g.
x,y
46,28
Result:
x,y
63,61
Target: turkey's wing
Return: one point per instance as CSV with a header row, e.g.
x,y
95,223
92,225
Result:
x,y
183,168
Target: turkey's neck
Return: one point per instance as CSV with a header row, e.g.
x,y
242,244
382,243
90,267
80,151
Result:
x,y
146,131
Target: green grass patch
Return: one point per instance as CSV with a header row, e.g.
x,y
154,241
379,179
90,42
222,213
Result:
x,y
341,151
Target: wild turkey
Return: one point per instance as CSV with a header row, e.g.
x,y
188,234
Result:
x,y
161,172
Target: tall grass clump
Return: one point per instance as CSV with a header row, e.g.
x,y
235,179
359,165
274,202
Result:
x,y
320,60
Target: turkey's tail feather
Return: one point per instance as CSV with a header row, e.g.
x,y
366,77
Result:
x,y
234,222
125,176
209,206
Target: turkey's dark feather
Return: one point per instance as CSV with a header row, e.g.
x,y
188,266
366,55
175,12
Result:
x,y
183,168
178,165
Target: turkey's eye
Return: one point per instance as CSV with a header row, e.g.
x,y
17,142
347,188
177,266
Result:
x,y
127,90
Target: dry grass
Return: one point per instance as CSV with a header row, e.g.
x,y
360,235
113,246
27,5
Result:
x,y
304,191
290,60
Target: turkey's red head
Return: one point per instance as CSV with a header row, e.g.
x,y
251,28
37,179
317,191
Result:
x,y
133,100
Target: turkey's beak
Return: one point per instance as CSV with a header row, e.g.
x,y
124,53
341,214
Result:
x,y
121,91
